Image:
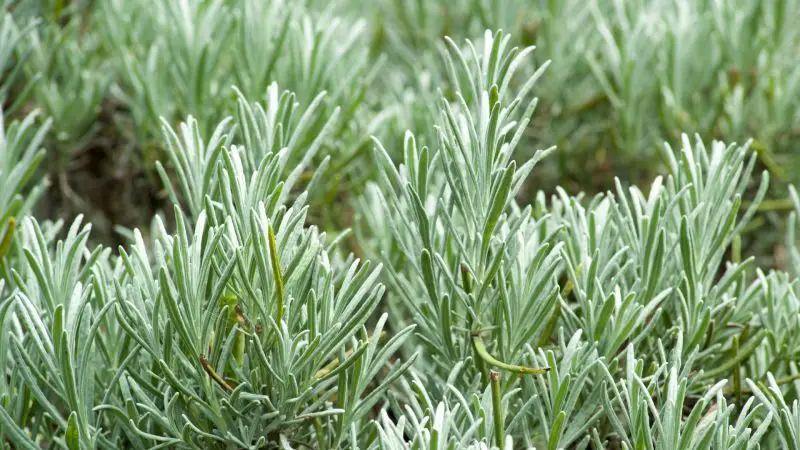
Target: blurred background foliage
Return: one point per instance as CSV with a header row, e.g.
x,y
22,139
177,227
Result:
x,y
625,76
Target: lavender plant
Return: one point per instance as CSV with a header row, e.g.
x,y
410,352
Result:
x,y
598,279
233,350
462,311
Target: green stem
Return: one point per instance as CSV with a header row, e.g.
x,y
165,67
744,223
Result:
x,y
479,364
780,204
778,381
754,224
466,281
480,349
743,354
551,325
766,158
8,235
320,433
328,368
276,271
497,408
737,375
214,375
544,339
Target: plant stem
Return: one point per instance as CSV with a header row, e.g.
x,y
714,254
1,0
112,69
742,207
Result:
x,y
276,271
213,374
737,376
328,368
765,156
544,339
748,391
466,281
744,353
480,349
497,409
8,235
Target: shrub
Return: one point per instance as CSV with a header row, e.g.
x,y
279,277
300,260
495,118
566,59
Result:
x,y
457,313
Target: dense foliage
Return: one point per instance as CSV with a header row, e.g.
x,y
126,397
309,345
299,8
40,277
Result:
x,y
375,225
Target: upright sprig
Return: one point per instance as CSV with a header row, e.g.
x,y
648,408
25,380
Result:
x,y
12,60
453,216
20,155
74,78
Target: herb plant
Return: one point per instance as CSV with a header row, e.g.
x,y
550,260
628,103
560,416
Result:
x,y
358,247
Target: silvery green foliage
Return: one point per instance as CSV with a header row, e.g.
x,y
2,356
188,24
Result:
x,y
183,58
644,270
177,60
432,433
458,419
52,332
625,320
233,330
274,138
170,60
20,154
627,75
281,381
73,77
629,253
12,59
651,410
772,396
461,244
558,409
8,41
685,39
791,235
